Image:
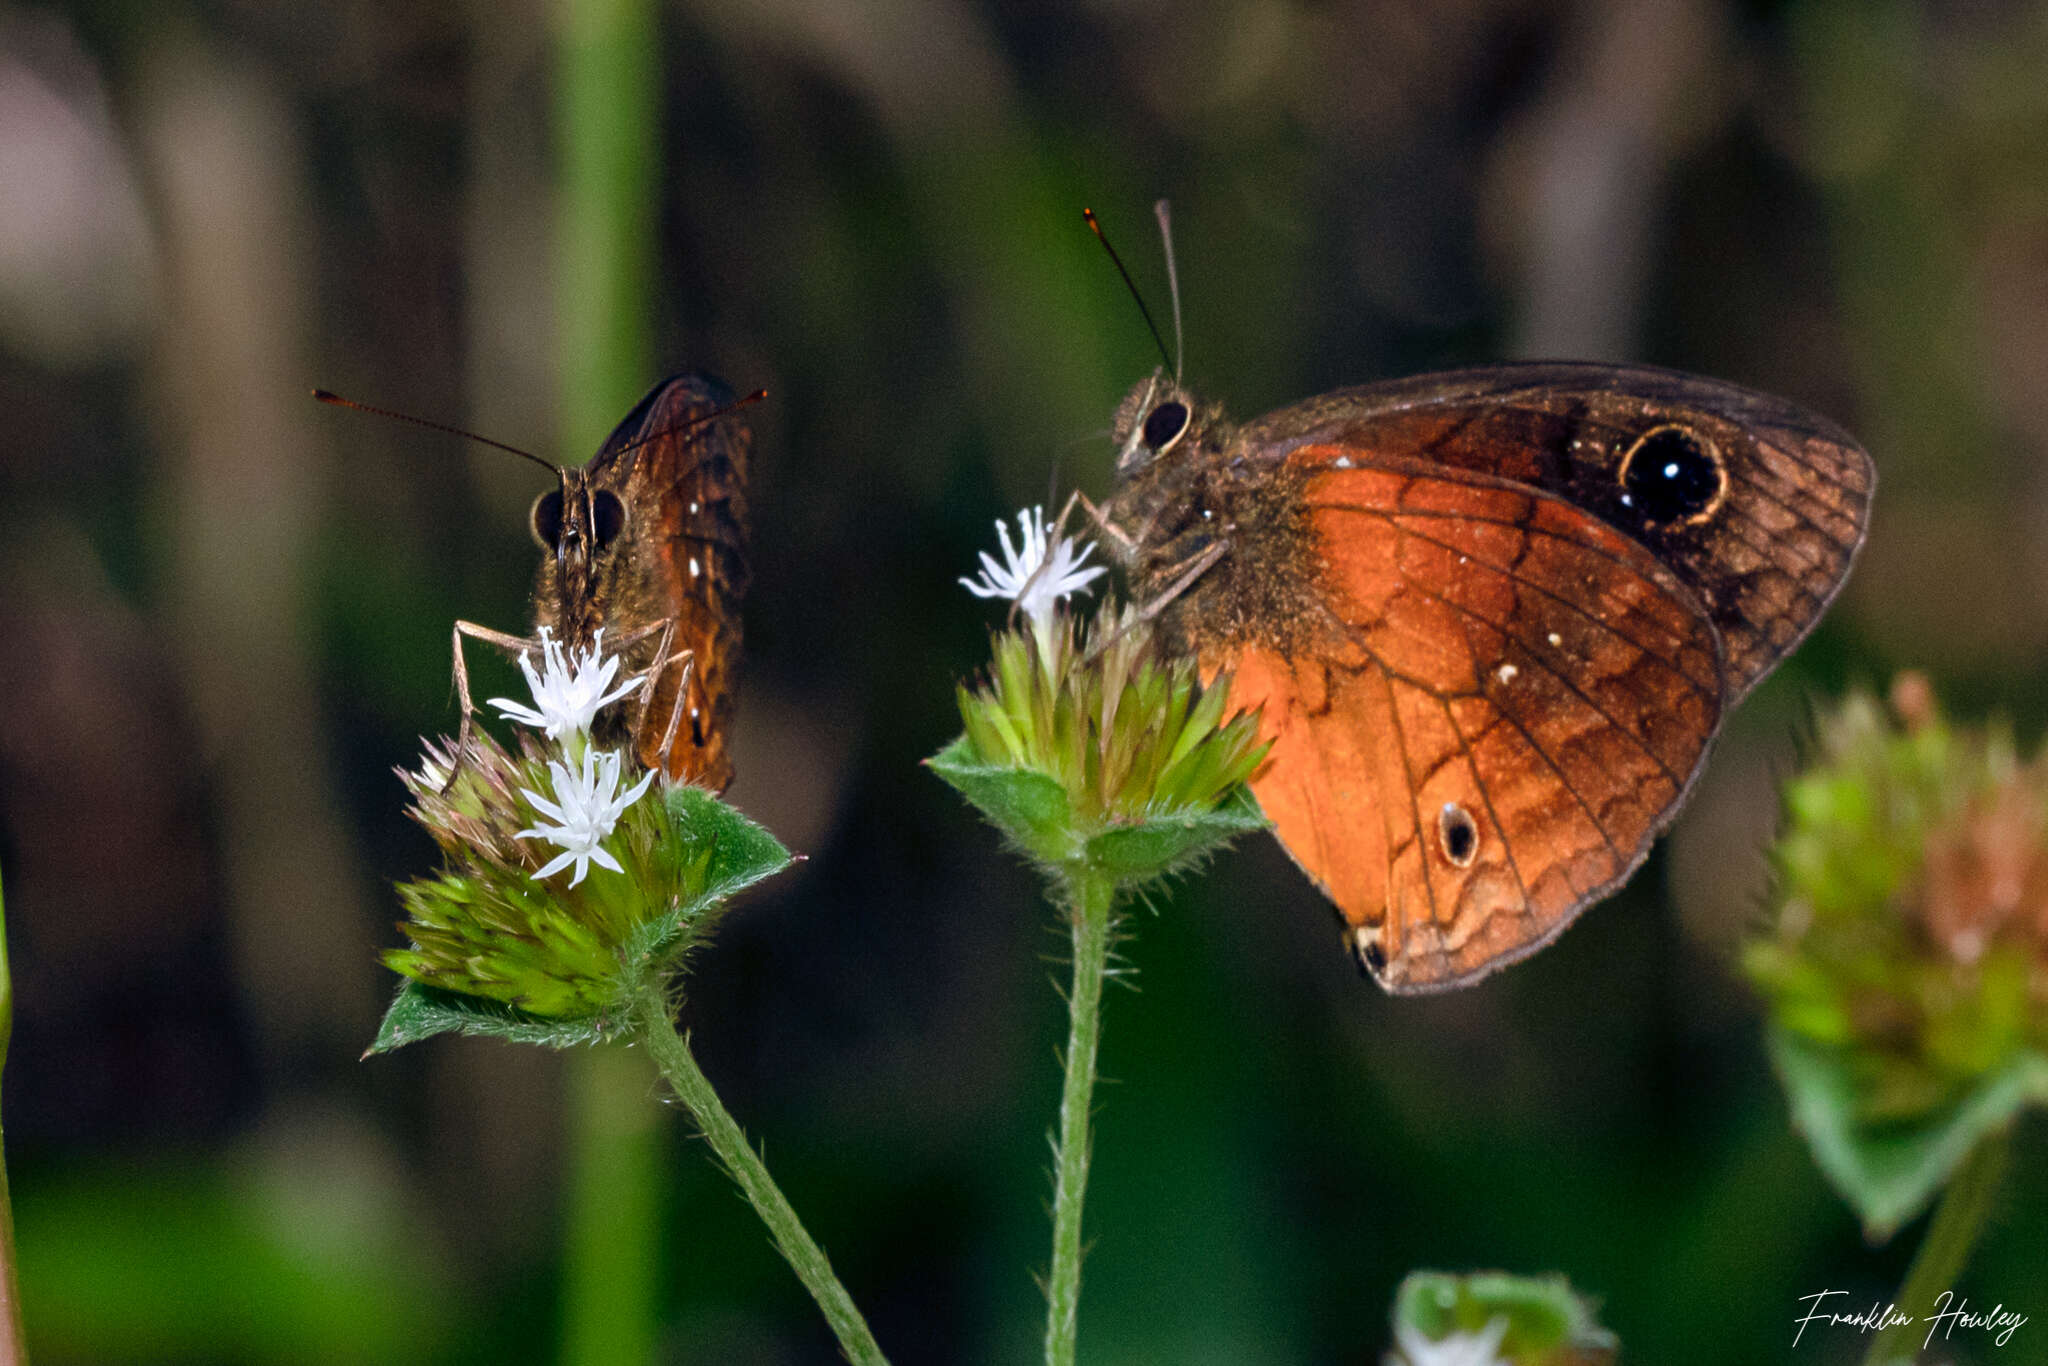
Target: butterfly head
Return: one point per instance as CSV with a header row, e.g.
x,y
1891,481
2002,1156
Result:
x,y
581,527
1158,418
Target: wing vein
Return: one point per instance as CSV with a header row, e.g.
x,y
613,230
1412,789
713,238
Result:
x,y
1712,695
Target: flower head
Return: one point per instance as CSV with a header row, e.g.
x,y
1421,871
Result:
x,y
1038,574
567,693
1084,744
487,933
587,805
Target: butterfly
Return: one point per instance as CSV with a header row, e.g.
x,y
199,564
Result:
x,y
647,542
1490,619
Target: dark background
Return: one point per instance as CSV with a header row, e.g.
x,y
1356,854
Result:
x,y
224,615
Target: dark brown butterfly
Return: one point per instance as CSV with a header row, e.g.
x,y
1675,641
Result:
x,y
648,543
1492,619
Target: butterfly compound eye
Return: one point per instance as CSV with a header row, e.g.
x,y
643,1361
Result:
x,y
607,517
1672,476
1165,425
546,519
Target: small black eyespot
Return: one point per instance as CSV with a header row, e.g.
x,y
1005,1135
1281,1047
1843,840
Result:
x,y
1672,476
607,517
1460,834
546,519
1165,425
1373,956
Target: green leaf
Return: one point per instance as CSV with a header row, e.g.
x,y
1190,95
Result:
x,y
1161,845
1889,1172
1548,1323
1031,808
742,853
420,1012
737,853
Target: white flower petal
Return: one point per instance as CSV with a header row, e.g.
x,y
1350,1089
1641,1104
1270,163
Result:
x,y
567,692
518,711
1039,572
553,865
586,807
1459,1349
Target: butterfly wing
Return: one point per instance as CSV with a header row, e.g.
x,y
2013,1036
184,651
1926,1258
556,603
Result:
x,y
684,481
1492,619
1504,701
1769,540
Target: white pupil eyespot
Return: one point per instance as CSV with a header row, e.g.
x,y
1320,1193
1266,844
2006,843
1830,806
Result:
x,y
1671,470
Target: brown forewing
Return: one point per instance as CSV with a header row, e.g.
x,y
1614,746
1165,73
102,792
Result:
x,y
1764,565
680,557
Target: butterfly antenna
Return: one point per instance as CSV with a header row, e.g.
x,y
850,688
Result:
x,y
1130,284
338,401
687,423
1164,214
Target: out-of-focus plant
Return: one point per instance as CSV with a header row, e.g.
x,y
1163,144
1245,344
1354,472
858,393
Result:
x,y
12,1347
1489,1318
1905,970
1108,769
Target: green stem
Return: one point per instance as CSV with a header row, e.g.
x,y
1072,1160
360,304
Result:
x,y
1093,896
671,1053
13,1345
1938,1265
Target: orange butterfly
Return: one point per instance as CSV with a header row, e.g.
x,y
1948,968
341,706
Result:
x,y
1492,619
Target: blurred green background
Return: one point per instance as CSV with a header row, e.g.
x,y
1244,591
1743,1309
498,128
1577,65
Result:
x,y
224,615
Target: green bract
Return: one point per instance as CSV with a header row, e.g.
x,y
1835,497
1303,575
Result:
x,y
496,952
1092,751
1907,969
1539,1320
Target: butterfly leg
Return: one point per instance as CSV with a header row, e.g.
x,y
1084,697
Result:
x,y
627,640
651,680
666,628
688,658
517,645
1125,546
1186,572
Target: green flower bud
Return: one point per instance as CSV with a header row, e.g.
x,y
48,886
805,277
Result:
x,y
1087,747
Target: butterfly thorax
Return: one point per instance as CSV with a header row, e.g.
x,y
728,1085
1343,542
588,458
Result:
x,y
600,572
1191,500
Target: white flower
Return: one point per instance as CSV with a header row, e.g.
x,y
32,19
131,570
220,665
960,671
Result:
x,y
587,805
1459,1349
1038,575
567,693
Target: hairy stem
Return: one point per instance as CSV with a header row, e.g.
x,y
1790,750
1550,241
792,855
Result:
x,y
1092,897
1958,1223
671,1053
